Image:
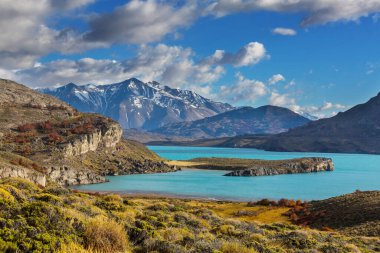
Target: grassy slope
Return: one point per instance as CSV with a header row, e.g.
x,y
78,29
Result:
x,y
59,220
356,213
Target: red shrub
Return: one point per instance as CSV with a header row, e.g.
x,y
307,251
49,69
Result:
x,y
26,128
55,138
21,139
46,126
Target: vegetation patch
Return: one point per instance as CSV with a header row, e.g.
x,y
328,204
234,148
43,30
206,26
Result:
x,y
55,219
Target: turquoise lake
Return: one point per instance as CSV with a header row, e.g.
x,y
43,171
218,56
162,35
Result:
x,y
352,172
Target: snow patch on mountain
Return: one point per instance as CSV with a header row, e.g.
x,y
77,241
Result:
x,y
140,105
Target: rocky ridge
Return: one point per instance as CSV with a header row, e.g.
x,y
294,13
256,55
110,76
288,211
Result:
x,y
140,105
242,121
256,167
305,165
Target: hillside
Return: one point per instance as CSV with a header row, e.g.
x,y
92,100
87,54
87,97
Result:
x,y
354,214
356,130
245,120
55,219
135,104
43,139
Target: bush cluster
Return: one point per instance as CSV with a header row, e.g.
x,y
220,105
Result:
x,y
60,220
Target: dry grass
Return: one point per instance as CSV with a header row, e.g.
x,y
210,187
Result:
x,y
105,235
183,163
236,210
235,247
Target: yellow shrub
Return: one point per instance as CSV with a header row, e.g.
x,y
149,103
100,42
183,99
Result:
x,y
6,195
174,234
73,247
234,247
105,235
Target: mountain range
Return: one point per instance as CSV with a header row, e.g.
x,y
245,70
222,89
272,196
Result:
x,y
246,120
356,130
140,105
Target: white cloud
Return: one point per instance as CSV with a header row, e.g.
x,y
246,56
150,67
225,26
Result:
x,y
250,54
329,106
284,31
283,100
141,22
290,84
243,91
317,11
328,109
276,78
172,65
24,35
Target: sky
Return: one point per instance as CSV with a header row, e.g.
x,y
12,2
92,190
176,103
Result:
x,y
318,57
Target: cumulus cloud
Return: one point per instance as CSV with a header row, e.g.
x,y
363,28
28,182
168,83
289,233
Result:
x,y
276,78
328,109
317,11
243,91
250,54
24,35
284,31
283,100
172,65
329,106
140,22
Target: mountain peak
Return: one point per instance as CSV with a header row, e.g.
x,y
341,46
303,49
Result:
x,y
136,104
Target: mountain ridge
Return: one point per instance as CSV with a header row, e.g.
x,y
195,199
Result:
x,y
135,104
356,130
266,119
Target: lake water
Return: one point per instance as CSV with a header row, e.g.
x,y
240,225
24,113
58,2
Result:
x,y
352,172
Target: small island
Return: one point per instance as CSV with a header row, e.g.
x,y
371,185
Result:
x,y
255,167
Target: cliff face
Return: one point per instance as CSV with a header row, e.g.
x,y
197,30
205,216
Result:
x,y
305,165
8,170
68,176
105,137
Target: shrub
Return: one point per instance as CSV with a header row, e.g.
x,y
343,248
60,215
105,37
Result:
x,y
235,247
104,235
26,128
54,138
46,126
6,196
46,197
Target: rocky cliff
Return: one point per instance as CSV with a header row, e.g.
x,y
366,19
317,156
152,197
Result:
x,y
106,136
305,165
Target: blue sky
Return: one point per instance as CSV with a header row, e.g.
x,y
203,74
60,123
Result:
x,y
318,57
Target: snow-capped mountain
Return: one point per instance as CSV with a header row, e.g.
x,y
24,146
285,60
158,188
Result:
x,y
140,105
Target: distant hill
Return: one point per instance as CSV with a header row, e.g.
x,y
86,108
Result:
x,y
246,120
135,104
355,131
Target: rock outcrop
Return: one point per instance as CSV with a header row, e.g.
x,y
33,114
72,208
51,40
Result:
x,y
106,136
8,170
68,176
305,165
